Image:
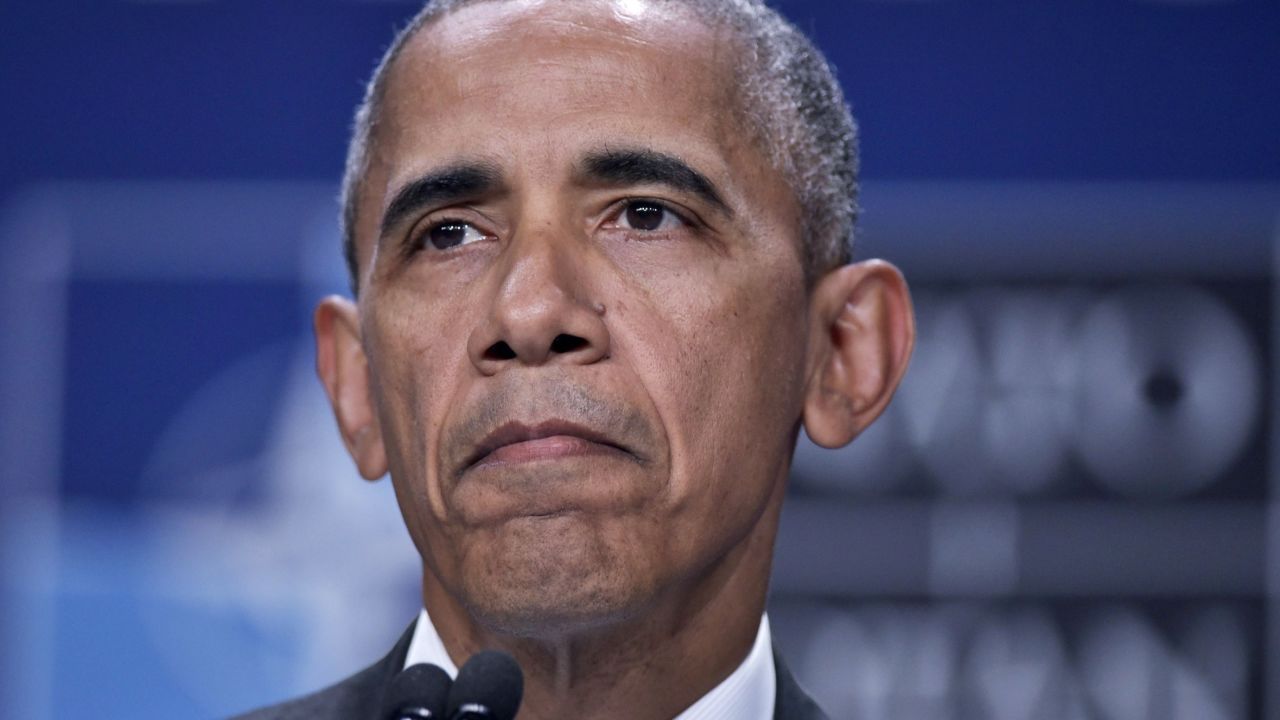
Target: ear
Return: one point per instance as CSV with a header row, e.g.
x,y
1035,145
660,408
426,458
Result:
x,y
861,335
344,370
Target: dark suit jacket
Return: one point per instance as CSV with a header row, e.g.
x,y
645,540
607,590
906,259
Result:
x,y
359,697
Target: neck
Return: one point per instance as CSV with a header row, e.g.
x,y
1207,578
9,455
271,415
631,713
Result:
x,y
654,664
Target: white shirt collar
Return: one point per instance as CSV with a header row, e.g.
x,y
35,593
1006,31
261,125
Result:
x,y
747,694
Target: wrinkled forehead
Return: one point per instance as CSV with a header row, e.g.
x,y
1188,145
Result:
x,y
591,39
475,20
536,85
642,22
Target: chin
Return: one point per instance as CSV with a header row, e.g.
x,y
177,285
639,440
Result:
x,y
550,577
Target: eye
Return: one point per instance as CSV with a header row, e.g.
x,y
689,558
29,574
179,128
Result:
x,y
648,216
446,234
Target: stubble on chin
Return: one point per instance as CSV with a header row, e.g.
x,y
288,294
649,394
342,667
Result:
x,y
553,577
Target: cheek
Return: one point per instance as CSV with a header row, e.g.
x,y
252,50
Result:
x,y
724,364
417,358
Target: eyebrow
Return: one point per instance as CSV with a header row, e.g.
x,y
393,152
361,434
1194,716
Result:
x,y
634,166
450,183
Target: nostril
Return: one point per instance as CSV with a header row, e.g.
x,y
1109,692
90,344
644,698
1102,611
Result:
x,y
567,343
499,351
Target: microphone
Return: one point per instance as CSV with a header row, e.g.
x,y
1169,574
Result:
x,y
489,687
419,692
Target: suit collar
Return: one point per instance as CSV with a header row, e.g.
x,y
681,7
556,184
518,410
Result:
x,y
791,701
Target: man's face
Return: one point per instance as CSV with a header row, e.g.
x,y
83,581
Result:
x,y
583,307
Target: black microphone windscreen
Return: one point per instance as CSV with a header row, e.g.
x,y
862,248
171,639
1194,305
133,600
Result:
x,y
419,691
489,685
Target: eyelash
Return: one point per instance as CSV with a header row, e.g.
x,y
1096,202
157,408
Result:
x,y
418,241
683,218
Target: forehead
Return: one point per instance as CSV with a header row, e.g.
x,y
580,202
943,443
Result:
x,y
535,69
530,87
597,36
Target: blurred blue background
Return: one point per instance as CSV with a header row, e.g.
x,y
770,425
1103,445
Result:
x,y
1067,513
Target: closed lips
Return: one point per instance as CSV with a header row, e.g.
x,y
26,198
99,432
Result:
x,y
518,441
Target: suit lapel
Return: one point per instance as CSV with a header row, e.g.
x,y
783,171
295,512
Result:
x,y
377,678
791,702
368,688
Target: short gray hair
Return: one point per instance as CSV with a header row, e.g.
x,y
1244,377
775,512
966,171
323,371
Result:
x,y
790,98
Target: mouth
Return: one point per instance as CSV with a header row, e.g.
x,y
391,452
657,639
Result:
x,y
515,442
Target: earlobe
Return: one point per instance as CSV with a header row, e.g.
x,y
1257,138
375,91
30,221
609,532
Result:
x,y
862,334
344,370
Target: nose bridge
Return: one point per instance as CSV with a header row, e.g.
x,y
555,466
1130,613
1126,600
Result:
x,y
540,275
540,268
541,310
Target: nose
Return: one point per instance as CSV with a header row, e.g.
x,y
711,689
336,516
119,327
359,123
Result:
x,y
539,313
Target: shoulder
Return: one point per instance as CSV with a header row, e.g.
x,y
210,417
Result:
x,y
359,696
347,699
792,702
